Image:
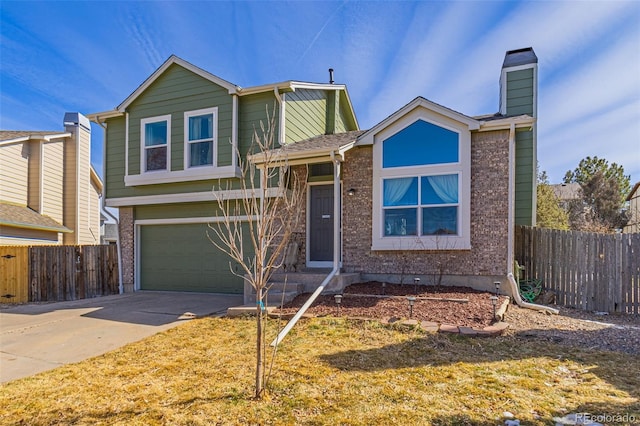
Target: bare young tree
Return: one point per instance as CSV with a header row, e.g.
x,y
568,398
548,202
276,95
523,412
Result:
x,y
268,209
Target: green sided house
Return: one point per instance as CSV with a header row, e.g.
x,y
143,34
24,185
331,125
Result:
x,y
171,141
426,192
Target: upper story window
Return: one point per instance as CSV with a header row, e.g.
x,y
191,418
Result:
x,y
156,134
421,143
200,137
421,196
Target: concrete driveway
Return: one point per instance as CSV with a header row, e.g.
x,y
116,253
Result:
x,y
40,337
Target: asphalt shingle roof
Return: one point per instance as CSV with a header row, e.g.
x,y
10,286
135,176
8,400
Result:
x,y
327,142
23,217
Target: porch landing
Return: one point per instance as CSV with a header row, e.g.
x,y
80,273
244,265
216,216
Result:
x,y
285,286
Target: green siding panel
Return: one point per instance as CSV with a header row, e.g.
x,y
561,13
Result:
x,y
182,258
181,210
175,92
520,100
306,114
114,157
520,92
254,111
524,178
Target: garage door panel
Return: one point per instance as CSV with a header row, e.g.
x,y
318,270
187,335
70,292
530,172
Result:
x,y
182,258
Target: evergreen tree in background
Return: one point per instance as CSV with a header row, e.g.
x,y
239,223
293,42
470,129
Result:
x,y
604,190
549,213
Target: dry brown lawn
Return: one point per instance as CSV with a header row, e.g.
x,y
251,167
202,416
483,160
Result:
x,y
328,371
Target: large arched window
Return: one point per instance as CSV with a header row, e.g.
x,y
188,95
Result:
x,y
421,184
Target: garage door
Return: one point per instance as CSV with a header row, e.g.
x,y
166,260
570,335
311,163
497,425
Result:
x,y
181,258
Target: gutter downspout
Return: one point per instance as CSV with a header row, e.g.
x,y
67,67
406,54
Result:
x,y
281,98
336,255
108,213
513,285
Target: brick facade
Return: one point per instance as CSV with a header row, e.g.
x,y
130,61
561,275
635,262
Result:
x,y
127,247
489,218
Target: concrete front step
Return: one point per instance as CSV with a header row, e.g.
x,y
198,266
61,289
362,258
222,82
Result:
x,y
274,298
275,286
294,283
311,280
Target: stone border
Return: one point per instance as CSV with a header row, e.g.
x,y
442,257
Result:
x,y
492,330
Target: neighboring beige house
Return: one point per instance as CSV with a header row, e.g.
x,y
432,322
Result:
x,y
49,193
634,210
567,193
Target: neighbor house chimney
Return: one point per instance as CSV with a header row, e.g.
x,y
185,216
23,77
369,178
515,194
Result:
x,y
77,171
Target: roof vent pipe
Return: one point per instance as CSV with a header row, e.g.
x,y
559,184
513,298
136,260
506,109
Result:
x,y
330,75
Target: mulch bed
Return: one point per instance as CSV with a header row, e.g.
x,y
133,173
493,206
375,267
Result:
x,y
477,312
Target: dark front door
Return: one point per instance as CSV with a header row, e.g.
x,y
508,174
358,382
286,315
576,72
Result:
x,y
321,223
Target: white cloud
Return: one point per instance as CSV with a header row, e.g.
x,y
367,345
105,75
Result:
x,y
613,135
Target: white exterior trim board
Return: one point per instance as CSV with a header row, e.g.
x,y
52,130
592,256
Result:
x,y
193,174
190,220
189,197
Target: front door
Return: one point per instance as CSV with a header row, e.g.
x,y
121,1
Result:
x,y
320,225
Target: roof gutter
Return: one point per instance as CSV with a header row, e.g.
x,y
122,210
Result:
x,y
521,121
289,85
100,117
281,119
46,138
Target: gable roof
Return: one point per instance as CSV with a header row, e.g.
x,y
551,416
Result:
x,y
283,86
632,194
17,216
367,137
173,59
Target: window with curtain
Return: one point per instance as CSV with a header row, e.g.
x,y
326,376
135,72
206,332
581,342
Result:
x,y
200,137
156,140
420,205
421,172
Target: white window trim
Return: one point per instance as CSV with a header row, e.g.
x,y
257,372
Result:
x,y
143,156
187,142
462,241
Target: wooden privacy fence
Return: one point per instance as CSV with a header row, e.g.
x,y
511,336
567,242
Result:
x,y
14,274
57,273
589,271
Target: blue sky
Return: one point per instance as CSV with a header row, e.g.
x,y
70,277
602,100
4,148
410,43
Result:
x,y
89,56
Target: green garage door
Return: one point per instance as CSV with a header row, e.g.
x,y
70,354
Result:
x,y
181,258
